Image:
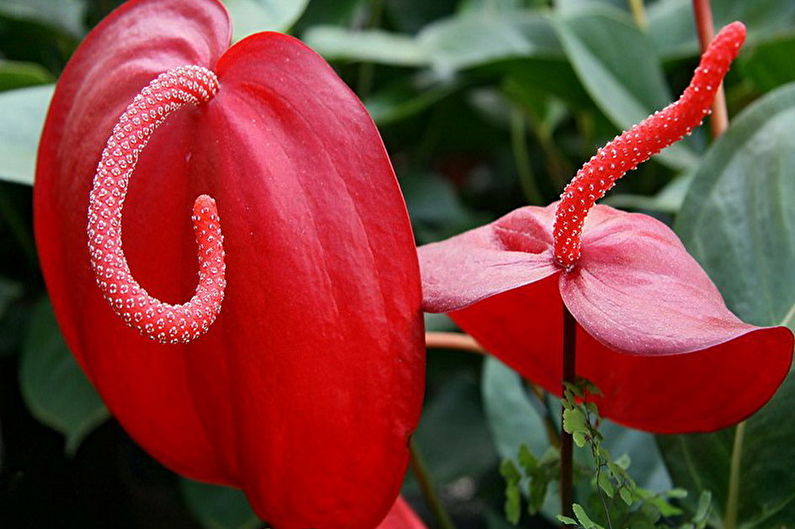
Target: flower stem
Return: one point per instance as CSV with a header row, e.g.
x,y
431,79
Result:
x,y
566,445
733,497
420,470
452,340
639,13
522,157
719,121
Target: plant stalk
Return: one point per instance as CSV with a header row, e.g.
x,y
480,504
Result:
x,y
566,441
702,11
733,496
432,499
522,158
452,340
639,13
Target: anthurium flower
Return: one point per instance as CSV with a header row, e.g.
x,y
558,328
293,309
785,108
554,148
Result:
x,y
652,330
294,370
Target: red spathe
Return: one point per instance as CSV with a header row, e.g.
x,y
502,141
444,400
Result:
x,y
653,332
305,389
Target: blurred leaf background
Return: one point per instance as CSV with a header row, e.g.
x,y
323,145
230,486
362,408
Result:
x,y
484,106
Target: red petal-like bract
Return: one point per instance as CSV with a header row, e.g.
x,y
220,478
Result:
x,y
653,332
304,390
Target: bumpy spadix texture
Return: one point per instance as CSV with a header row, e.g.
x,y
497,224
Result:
x,y
652,332
155,319
307,385
638,144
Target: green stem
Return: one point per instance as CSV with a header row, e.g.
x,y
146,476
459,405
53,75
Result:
x,y
522,157
420,470
732,501
566,441
367,69
639,13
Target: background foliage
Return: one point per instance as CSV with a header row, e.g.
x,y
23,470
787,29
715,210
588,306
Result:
x,y
484,105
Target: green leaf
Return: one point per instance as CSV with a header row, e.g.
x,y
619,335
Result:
x,y
668,200
218,507
252,16
65,15
22,113
54,387
404,100
671,22
566,520
605,484
452,433
374,45
467,41
574,421
583,518
512,419
769,65
14,74
615,62
738,221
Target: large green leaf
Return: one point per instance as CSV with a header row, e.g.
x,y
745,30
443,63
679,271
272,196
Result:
x,y
467,41
66,15
22,115
738,221
54,387
373,45
253,16
218,507
613,60
512,418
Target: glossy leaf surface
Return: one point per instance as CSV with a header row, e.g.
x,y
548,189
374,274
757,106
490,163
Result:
x,y
741,194
54,388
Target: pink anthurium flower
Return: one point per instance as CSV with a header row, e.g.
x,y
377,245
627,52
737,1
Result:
x,y
653,332
294,370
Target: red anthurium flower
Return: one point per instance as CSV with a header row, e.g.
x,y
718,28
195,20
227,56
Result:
x,y
653,332
401,517
294,370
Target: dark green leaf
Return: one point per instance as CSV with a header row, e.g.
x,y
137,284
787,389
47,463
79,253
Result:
x,y
218,507
21,74
769,65
22,114
54,387
512,419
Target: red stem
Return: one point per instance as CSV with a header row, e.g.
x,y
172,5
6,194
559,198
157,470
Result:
x,y
719,121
